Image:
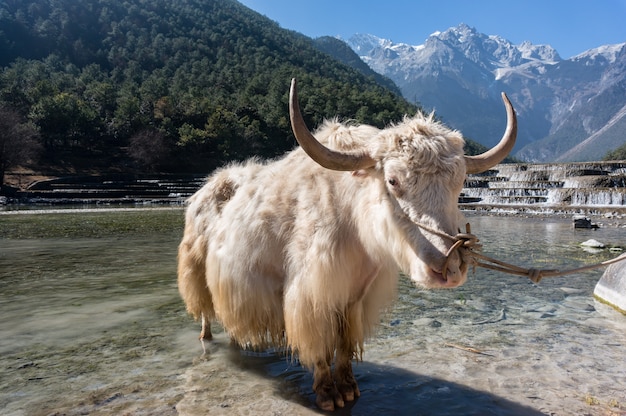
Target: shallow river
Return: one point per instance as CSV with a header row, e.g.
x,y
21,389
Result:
x,y
92,324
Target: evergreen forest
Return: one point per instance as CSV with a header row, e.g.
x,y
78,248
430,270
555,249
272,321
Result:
x,y
164,86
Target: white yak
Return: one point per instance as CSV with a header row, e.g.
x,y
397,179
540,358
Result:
x,y
305,251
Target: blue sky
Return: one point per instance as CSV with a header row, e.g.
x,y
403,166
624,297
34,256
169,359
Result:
x,y
570,26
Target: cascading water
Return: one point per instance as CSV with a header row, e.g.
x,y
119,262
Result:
x,y
562,187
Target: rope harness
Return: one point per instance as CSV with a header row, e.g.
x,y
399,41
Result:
x,y
467,245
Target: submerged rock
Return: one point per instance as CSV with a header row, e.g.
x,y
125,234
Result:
x,y
593,244
611,288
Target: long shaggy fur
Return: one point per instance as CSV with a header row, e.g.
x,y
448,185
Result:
x,y
291,253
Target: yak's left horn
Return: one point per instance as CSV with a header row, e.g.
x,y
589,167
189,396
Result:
x,y
328,158
495,155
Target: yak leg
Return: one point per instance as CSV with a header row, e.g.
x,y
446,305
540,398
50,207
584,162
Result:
x,y
335,391
344,378
327,395
192,283
205,333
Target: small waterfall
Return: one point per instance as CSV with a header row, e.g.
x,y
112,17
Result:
x,y
549,187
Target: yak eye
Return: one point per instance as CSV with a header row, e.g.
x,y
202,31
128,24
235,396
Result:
x,y
393,182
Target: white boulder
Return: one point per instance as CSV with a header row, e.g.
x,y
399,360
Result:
x,y
611,288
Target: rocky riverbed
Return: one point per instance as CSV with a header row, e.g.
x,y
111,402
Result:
x,y
93,324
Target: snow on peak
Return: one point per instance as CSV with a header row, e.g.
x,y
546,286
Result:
x,y
363,44
608,53
457,34
557,98
544,53
490,51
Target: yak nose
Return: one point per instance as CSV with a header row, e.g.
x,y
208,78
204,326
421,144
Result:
x,y
455,270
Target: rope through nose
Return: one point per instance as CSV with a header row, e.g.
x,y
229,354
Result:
x,y
464,243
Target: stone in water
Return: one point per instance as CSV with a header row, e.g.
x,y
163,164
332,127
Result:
x,y
611,288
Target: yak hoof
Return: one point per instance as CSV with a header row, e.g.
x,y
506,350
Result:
x,y
336,396
349,391
346,383
327,397
327,402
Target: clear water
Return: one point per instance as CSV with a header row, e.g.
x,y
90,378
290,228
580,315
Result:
x,y
92,324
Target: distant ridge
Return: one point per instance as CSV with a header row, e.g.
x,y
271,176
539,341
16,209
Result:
x,y
561,104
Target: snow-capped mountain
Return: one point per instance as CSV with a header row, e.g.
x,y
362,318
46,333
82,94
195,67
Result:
x,y
568,110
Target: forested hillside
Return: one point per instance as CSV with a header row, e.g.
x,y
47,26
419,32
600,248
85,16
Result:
x,y
159,85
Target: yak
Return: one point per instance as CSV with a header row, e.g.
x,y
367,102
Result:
x,y
305,251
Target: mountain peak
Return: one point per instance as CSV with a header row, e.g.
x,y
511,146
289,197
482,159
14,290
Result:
x,y
544,53
460,72
363,44
607,52
491,52
462,33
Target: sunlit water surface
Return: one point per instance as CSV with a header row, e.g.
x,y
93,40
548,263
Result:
x,y
92,324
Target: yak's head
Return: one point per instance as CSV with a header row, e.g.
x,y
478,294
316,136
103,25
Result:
x,y
420,167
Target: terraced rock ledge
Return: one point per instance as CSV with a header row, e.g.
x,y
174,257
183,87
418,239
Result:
x,y
108,189
572,188
588,188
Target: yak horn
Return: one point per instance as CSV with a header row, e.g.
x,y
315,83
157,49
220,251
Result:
x,y
328,158
485,161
